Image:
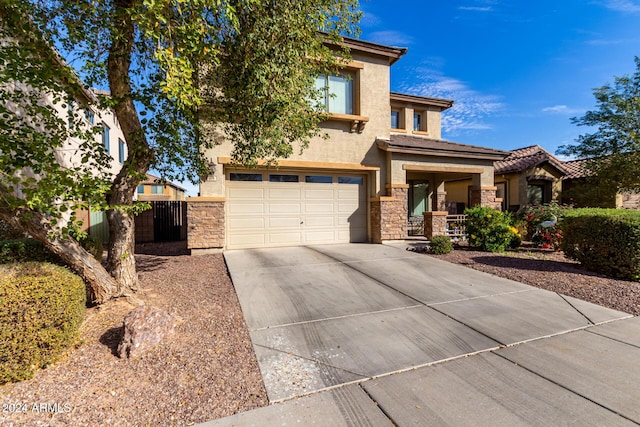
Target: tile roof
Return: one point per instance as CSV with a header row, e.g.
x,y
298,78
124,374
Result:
x,y
575,169
522,159
437,147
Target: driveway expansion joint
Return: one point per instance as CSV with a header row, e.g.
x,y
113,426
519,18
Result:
x,y
557,384
346,316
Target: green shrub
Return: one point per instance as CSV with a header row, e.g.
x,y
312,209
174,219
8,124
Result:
x,y
440,245
606,241
545,237
491,230
41,309
24,250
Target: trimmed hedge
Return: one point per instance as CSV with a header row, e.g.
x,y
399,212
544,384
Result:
x,y
41,309
440,245
25,250
606,241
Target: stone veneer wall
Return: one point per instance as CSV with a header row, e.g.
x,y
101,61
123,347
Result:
x,y
205,221
389,216
435,224
484,196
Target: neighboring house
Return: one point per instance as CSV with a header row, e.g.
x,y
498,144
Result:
x,y
527,176
576,190
384,162
155,189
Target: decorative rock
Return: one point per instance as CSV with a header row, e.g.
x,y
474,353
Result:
x,y
144,328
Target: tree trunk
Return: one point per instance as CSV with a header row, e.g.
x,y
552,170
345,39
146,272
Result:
x,y
101,287
120,260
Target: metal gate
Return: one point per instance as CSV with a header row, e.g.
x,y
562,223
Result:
x,y
169,221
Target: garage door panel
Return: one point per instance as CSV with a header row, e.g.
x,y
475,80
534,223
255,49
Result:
x,y
243,193
246,240
252,222
285,238
323,221
284,222
246,208
283,208
319,194
295,213
284,193
319,208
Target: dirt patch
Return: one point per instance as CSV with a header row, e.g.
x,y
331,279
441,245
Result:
x,y
207,370
552,271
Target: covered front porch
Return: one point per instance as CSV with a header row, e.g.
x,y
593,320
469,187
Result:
x,y
418,169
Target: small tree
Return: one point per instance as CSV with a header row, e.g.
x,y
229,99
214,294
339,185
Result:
x,y
244,66
613,149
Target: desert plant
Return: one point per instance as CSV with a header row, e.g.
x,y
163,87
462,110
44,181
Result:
x,y
539,230
440,245
41,309
604,240
491,230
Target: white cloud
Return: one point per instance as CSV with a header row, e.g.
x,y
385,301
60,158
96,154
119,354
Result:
x,y
476,8
369,20
626,6
391,38
470,109
561,109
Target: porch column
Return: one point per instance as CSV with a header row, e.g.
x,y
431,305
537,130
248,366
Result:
x,y
483,194
435,223
205,219
389,214
439,195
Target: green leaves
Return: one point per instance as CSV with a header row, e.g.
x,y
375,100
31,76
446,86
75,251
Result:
x,y
613,147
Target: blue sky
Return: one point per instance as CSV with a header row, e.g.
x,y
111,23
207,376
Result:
x,y
517,70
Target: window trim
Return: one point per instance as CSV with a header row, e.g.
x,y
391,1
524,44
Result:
x,y
121,146
106,138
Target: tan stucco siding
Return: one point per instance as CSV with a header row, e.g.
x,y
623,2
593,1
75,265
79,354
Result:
x,y
458,191
343,145
398,173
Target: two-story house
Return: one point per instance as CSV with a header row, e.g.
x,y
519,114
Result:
x,y
384,161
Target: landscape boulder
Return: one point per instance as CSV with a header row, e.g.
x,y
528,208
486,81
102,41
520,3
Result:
x,y
144,328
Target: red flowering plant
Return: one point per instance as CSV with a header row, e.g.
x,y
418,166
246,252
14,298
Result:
x,y
543,225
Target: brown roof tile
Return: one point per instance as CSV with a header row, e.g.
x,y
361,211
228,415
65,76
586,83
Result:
x,y
575,169
438,147
522,159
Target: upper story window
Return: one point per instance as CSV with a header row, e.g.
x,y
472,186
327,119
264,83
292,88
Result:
x,y
418,120
120,150
89,115
395,119
157,189
105,137
140,189
338,92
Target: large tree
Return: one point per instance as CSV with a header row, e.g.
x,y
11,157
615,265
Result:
x,y
612,150
171,65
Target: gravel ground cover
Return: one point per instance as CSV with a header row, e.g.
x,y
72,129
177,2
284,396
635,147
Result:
x,y
552,271
207,370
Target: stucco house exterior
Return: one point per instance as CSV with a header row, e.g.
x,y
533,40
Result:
x,y
384,162
154,188
527,176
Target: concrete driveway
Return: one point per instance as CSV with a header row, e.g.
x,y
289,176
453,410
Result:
x,y
370,334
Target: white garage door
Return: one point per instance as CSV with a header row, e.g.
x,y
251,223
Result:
x,y
288,209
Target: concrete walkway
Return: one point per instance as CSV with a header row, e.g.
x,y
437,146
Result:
x,y
372,334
